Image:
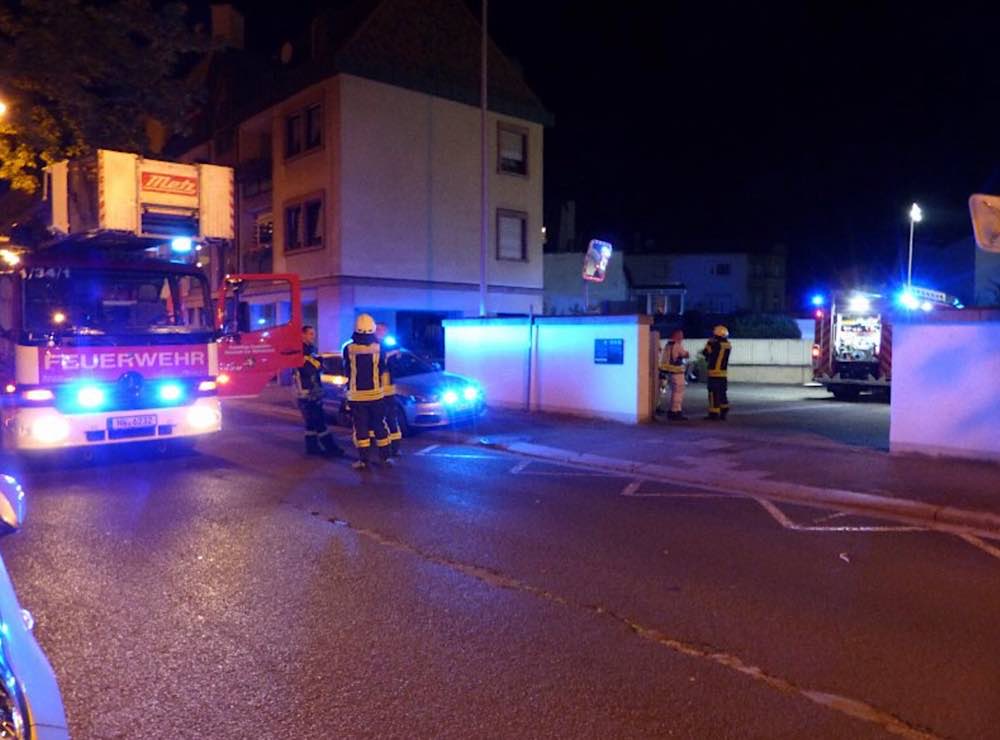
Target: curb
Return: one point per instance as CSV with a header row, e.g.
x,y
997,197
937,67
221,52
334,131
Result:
x,y
932,516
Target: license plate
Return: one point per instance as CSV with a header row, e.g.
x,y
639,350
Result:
x,y
133,422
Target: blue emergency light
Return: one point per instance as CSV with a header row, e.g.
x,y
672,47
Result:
x,y
170,392
181,245
90,397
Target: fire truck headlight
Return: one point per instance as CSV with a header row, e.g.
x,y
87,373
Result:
x,y
206,386
471,393
450,398
50,429
203,417
90,397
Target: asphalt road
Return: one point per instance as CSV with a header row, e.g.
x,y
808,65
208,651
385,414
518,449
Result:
x,y
809,412
245,591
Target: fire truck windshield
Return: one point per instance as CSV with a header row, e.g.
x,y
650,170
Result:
x,y
103,303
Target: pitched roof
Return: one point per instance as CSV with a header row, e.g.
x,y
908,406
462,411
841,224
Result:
x,y
434,47
430,46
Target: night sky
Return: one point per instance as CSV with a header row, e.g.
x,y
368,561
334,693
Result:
x,y
706,125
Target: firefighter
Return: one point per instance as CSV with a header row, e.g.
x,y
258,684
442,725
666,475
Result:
x,y
309,396
392,410
717,353
672,366
363,364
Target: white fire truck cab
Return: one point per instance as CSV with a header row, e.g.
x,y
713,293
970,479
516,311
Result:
x,y
852,353
109,331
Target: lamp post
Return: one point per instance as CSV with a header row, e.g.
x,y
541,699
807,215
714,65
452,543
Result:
x,y
915,215
484,203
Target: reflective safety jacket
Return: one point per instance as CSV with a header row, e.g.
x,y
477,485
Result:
x,y
717,353
672,358
364,365
388,388
306,379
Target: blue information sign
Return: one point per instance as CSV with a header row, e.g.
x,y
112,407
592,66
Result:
x,y
609,351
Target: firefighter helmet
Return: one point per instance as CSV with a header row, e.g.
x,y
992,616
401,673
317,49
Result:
x,y
364,324
720,331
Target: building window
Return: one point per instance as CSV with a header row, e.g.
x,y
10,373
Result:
x,y
512,236
314,223
314,126
304,130
293,135
304,225
263,231
512,150
723,268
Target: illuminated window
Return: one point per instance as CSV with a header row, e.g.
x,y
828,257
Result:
x,y
512,235
512,149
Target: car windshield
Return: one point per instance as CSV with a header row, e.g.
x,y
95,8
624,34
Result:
x,y
406,363
71,302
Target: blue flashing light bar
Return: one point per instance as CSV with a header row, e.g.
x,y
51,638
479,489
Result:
x,y
90,397
181,245
170,392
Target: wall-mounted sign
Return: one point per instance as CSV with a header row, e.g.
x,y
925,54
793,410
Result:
x,y
609,351
595,261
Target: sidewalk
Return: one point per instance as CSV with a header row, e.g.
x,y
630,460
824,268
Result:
x,y
947,494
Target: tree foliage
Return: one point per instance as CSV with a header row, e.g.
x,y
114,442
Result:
x,y
78,75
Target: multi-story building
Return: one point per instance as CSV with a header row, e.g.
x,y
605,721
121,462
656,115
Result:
x,y
358,159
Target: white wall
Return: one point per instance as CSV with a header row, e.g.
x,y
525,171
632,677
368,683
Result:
x,y
564,377
410,195
946,387
776,361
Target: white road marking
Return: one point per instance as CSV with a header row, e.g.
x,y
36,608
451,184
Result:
x,y
781,518
631,488
427,449
976,542
459,455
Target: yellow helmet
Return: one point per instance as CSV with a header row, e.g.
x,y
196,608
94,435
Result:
x,y
720,331
364,324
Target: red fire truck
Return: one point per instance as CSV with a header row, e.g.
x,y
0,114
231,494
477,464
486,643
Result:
x,y
852,353
108,328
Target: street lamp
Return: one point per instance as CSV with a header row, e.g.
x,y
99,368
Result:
x,y
3,108
915,215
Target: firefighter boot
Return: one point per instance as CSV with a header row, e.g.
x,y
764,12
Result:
x,y
362,462
396,449
329,445
385,453
312,445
